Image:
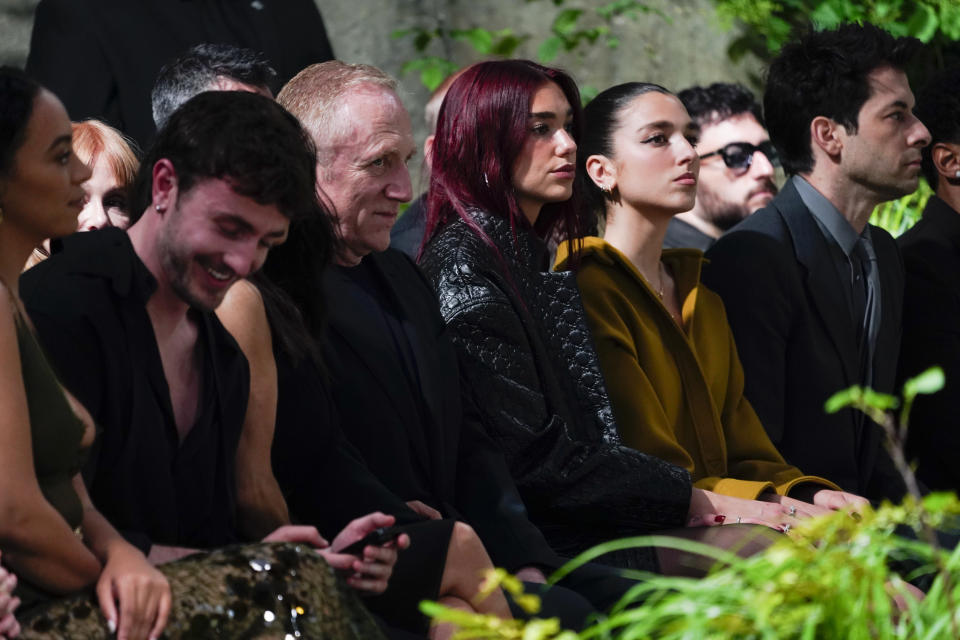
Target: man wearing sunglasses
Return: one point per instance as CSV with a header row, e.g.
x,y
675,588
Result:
x,y
737,163
813,293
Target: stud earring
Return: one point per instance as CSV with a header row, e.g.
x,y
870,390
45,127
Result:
x,y
957,174
159,208
606,189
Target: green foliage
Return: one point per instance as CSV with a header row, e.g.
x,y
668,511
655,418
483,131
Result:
x,y
571,30
768,24
829,579
897,216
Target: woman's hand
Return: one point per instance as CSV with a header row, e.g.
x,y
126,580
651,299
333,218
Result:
x,y
9,628
372,571
795,508
708,509
134,596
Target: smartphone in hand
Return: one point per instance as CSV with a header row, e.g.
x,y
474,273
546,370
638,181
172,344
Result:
x,y
375,538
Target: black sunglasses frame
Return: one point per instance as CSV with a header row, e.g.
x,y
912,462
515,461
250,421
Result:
x,y
744,162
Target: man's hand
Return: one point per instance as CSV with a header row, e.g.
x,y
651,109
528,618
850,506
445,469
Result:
x,y
372,569
836,500
424,510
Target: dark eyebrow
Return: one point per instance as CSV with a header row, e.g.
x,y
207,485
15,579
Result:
x,y
247,227
661,124
898,103
61,139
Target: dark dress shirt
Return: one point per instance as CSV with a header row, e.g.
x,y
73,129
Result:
x,y
89,307
683,235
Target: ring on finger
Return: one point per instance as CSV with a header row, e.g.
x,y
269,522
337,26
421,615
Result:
x,y
793,511
739,518
786,528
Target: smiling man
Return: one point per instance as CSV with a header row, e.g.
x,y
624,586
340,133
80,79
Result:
x,y
813,293
128,322
737,163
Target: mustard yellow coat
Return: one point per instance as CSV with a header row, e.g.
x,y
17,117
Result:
x,y
677,392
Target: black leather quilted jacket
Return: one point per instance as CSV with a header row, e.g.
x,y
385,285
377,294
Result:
x,y
531,374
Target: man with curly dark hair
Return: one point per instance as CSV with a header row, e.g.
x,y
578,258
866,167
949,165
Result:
x,y
737,164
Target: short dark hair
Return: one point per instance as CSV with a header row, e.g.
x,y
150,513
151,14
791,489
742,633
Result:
x,y
719,101
601,118
824,73
197,69
18,92
244,138
938,107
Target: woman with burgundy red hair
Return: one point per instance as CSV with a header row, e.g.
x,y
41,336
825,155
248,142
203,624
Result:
x,y
503,179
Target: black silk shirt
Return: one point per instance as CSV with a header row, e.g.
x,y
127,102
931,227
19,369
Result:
x,y
88,303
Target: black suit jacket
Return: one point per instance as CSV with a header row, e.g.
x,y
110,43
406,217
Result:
x,y
422,448
101,57
798,342
931,323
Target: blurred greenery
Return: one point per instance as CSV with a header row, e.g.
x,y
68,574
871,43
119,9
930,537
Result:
x,y
765,25
572,29
897,216
830,577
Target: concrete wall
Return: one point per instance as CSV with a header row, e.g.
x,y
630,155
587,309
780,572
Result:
x,y
684,47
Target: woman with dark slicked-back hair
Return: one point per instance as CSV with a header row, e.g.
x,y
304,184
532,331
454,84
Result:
x,y
664,344
503,180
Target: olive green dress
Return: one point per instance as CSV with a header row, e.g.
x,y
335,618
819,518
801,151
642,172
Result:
x,y
251,591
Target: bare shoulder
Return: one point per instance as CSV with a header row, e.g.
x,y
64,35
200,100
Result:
x,y
243,314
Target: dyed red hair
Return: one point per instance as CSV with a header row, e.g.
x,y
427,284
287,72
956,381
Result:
x,y
481,129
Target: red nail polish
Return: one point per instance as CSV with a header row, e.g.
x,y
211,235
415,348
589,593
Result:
x,y
719,519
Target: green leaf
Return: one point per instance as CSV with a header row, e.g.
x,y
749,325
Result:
x,y
507,45
937,502
843,399
825,16
401,33
549,48
566,21
480,39
422,40
433,76
881,401
950,20
923,23
930,381
588,93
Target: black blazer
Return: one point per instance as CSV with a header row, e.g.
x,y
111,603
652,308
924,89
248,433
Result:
x,y
797,341
422,448
931,335
101,57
